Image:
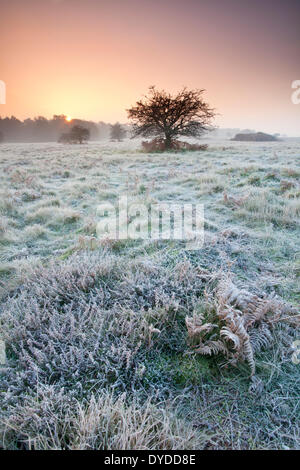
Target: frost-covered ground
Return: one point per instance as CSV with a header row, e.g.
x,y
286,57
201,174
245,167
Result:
x,y
49,252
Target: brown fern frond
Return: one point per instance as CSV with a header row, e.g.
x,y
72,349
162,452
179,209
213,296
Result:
x,y
195,326
212,347
242,325
229,335
249,356
261,338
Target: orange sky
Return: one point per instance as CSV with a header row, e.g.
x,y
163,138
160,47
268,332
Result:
x,y
92,59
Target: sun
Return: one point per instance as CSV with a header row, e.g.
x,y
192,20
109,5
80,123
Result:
x,y
68,118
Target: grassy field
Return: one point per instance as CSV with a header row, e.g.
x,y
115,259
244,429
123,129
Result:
x,y
98,351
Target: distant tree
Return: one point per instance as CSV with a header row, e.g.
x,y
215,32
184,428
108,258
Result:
x,y
65,138
79,134
40,129
117,132
162,115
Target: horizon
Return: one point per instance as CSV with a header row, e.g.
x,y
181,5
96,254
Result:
x,y
69,120
95,59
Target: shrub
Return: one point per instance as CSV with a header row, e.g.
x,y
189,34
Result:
x,y
159,145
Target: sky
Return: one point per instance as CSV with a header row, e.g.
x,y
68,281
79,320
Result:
x,y
92,59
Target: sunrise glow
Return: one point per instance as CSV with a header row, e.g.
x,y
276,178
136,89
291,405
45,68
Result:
x,y
232,49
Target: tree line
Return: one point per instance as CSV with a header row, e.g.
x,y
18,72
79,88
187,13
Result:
x,y
41,129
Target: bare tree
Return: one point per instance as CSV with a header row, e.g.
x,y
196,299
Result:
x,y
117,132
162,115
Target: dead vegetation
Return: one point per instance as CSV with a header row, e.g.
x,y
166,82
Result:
x,y
159,145
240,323
233,201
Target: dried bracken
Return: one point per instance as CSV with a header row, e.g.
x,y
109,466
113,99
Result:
x,y
235,202
242,323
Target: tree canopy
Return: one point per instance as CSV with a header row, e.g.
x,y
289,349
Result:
x,y
161,114
78,134
117,132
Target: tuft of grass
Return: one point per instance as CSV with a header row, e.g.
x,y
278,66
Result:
x,y
53,216
52,420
